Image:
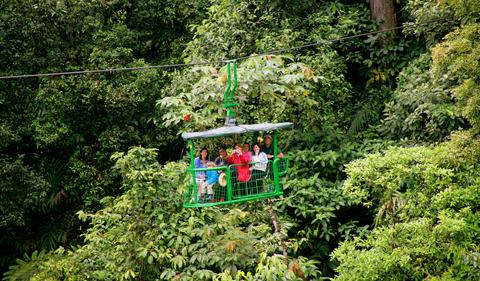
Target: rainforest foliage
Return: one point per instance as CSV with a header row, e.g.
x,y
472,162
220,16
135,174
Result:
x,y
384,182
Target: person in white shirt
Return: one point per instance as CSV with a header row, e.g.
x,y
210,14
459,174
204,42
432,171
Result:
x,y
259,162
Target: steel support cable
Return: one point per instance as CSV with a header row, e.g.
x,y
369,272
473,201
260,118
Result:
x,y
123,69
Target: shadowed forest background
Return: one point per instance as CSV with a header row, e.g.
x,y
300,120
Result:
x,y
384,182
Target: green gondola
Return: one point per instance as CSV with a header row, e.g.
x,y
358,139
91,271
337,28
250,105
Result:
x,y
232,189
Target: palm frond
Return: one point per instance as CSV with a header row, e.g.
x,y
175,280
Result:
x,y
361,119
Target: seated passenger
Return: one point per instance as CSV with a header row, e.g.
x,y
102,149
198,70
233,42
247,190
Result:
x,y
268,148
201,162
259,168
221,160
211,179
246,149
238,157
259,159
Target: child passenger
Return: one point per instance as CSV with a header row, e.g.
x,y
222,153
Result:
x,y
210,180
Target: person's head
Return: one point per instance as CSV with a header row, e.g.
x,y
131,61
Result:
x,y
237,148
222,151
204,153
268,140
210,164
246,147
256,148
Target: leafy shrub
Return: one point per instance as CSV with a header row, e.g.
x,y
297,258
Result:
x,y
446,249
455,61
146,234
427,202
421,109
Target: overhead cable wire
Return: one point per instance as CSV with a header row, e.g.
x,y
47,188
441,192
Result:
x,y
324,42
123,69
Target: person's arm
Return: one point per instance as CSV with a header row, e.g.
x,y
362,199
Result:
x,y
279,153
230,159
263,158
197,163
245,158
268,152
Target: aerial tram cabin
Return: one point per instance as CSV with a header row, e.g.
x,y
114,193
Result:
x,y
230,188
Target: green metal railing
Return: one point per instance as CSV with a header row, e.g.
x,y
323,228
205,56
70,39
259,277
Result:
x,y
261,184
229,102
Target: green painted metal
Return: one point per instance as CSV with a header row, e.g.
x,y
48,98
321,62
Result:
x,y
229,185
276,177
226,94
275,150
262,183
229,95
192,165
234,201
282,171
231,113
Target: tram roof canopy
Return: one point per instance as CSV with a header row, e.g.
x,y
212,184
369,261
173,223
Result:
x,y
237,129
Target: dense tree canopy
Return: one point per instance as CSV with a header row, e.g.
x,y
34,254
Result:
x,y
384,176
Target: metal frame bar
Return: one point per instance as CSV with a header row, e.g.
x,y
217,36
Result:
x,y
245,192
192,168
229,95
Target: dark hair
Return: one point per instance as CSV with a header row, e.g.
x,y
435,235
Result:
x,y
259,146
246,143
204,148
223,147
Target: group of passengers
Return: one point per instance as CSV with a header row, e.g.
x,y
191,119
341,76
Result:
x,y
241,158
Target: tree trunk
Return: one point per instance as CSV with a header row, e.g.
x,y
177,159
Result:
x,y
383,12
278,232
